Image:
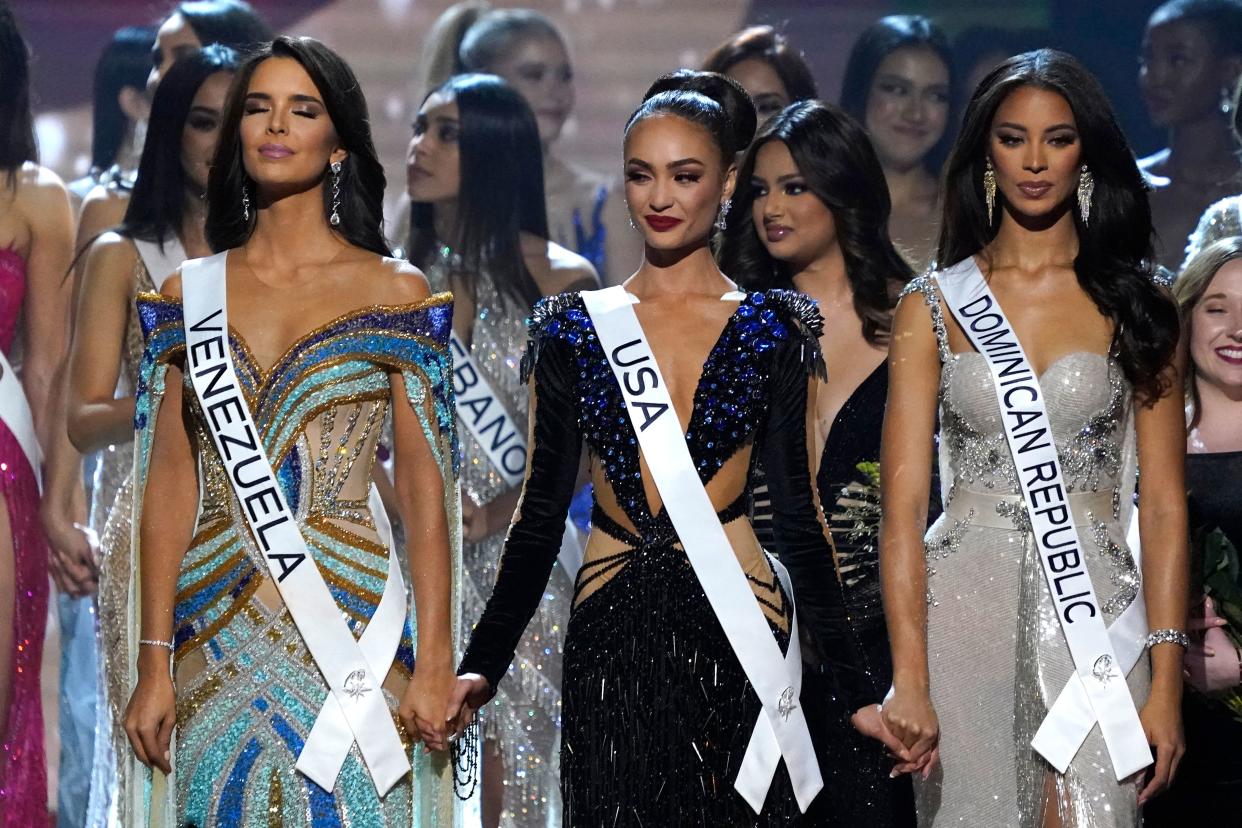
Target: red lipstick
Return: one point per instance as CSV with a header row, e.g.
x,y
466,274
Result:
x,y
661,224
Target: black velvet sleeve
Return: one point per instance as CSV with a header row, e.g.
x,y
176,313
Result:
x,y
800,540
535,537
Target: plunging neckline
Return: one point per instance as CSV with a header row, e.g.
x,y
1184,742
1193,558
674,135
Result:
x,y
738,296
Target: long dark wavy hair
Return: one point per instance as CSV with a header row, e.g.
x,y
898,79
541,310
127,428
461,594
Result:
x,y
501,192
841,169
878,41
362,175
17,139
157,205
124,63
1114,262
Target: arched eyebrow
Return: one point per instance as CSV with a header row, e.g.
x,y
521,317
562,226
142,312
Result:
x,y
672,165
1020,128
263,96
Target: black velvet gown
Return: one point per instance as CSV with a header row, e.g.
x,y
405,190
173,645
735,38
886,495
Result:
x,y
657,710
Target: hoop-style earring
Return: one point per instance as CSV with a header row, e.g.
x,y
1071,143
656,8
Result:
x,y
1086,188
335,218
989,188
245,202
722,220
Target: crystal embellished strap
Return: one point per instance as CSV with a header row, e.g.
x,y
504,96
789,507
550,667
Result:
x,y
1168,636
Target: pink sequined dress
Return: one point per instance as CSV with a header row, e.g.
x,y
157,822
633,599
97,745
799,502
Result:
x,y
23,775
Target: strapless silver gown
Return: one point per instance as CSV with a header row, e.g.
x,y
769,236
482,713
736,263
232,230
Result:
x,y
996,651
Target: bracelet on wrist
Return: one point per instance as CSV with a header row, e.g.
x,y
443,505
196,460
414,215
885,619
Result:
x,y
1168,636
155,642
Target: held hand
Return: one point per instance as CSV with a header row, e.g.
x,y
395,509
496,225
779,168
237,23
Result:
x,y
912,719
73,553
1213,664
1162,722
481,522
471,692
423,704
869,721
149,719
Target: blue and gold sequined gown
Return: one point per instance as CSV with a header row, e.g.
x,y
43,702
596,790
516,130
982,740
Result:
x,y
657,710
247,688
996,652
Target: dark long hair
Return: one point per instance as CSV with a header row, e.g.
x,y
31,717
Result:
x,y
715,102
124,63
1114,250
501,191
17,140
765,44
157,204
878,41
362,175
230,22
840,168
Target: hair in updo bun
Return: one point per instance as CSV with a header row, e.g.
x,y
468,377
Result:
x,y
715,102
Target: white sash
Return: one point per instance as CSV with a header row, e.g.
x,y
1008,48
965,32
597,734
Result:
x,y
781,729
1100,692
480,410
355,710
160,263
16,415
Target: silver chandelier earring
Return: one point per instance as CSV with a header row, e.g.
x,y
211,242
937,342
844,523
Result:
x,y
1086,188
335,218
722,220
245,202
989,188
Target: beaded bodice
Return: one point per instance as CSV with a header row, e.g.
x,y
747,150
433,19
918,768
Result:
x,y
496,340
319,409
12,297
131,350
731,401
1089,404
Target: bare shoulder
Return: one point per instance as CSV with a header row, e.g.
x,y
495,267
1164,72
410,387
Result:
x,y
556,269
397,282
172,285
103,206
110,250
39,189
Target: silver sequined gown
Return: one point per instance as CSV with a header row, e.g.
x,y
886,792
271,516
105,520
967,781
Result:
x,y
110,512
524,720
996,652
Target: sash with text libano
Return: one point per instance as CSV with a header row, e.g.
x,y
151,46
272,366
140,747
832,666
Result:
x,y
481,410
781,728
1028,432
355,710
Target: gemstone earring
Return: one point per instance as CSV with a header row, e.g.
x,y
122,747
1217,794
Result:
x,y
335,218
245,203
722,220
1086,188
989,188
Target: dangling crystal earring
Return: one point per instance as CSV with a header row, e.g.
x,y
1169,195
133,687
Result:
x,y
1086,188
722,220
1226,101
335,218
989,188
245,202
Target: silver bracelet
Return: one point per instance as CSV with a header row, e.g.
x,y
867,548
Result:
x,y
155,642
1169,636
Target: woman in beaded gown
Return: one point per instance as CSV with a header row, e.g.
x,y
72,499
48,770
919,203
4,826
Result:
x,y
658,712
978,653
793,227
36,244
479,229
163,222
295,159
